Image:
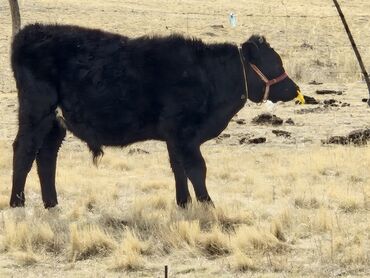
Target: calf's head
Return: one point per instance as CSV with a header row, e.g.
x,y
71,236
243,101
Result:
x,y
266,76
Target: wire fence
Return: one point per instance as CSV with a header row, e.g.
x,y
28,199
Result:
x,y
312,43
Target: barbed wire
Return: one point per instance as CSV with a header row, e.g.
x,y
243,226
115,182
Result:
x,y
244,18
241,15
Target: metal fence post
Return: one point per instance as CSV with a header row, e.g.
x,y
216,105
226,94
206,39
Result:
x,y
354,46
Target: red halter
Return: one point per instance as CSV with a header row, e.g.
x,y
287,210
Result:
x,y
267,81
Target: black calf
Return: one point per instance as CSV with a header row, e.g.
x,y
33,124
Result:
x,y
115,90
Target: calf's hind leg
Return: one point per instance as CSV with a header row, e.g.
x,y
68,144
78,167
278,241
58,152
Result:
x,y
36,116
25,147
46,160
22,162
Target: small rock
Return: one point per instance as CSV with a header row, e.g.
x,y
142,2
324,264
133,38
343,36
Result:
x,y
310,100
330,173
281,133
262,119
221,137
329,92
366,133
306,45
224,136
137,151
217,26
357,137
240,121
243,140
330,101
258,140
340,140
311,110
314,82
210,34
289,121
276,120
267,118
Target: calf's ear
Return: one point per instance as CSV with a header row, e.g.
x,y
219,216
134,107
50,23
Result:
x,y
251,52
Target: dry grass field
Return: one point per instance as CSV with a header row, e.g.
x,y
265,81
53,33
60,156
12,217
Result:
x,y
290,207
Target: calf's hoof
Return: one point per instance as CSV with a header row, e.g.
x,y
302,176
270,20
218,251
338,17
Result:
x,y
50,204
17,200
184,203
206,201
17,204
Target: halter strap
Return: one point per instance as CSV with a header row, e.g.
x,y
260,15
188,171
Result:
x,y
244,96
267,81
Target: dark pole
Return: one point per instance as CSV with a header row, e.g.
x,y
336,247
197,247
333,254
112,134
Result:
x,y
354,46
166,271
16,18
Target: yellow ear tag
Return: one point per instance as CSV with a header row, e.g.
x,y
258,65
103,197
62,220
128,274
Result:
x,y
300,98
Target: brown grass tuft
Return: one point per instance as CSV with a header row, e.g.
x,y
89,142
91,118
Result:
x,y
277,230
25,258
128,255
132,243
214,243
25,235
350,204
322,221
128,262
306,203
187,232
251,238
239,261
87,241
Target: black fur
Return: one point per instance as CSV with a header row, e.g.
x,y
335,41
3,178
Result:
x,y
114,90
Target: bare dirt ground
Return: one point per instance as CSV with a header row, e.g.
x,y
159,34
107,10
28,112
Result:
x,y
287,207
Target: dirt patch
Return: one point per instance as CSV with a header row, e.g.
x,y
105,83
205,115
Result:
x,y
222,137
327,102
357,137
324,107
289,121
329,92
338,140
209,34
240,121
256,140
218,26
310,100
335,103
314,82
306,45
282,133
137,151
312,110
267,119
